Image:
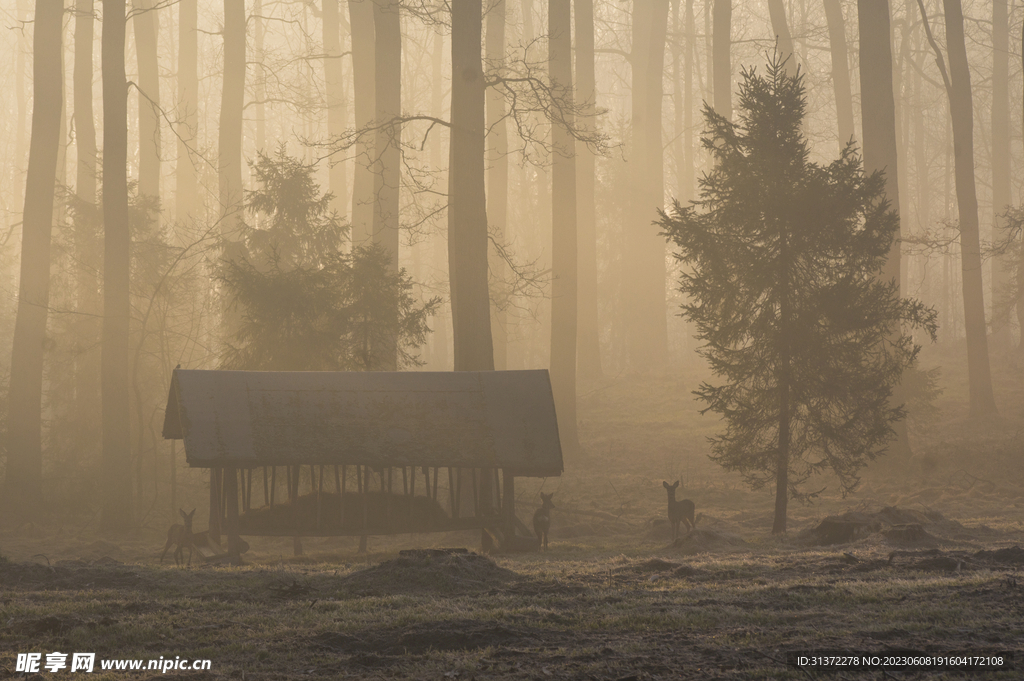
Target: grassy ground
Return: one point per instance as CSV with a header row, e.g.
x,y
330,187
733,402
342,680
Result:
x,y
613,598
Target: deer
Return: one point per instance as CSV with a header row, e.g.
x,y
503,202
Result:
x,y
182,536
542,518
678,511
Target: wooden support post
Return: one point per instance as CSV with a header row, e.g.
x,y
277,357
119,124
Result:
x,y
509,503
266,493
496,486
341,494
247,502
337,481
319,492
388,519
412,490
273,483
364,490
476,493
231,519
215,516
458,491
435,483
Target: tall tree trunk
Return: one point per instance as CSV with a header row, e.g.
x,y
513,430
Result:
x,y
334,83
587,338
563,221
1000,164
777,12
677,98
958,88
115,381
921,164
1020,262
21,97
87,328
646,250
689,162
186,177
441,322
388,137
362,23
840,70
24,481
962,113
878,120
144,22
231,105
497,182
260,84
467,212
722,58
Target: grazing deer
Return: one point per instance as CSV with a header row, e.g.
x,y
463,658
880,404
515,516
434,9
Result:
x,y
678,511
182,536
542,518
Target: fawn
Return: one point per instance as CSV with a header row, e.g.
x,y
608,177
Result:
x,y
678,511
542,518
182,536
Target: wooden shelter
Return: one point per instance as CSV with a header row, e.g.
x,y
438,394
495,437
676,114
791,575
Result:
x,y
361,453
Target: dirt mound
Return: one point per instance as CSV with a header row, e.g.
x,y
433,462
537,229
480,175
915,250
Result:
x,y
421,637
77,574
704,541
897,525
428,570
1013,555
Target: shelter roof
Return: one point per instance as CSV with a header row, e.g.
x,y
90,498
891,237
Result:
x,y
500,419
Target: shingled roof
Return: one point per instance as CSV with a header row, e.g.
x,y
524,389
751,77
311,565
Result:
x,y
499,419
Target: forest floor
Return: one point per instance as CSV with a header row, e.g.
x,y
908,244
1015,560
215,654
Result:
x,y
929,561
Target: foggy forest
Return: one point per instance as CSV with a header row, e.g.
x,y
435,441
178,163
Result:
x,y
511,338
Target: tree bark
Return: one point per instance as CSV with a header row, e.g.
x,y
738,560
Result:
x,y
186,177
115,380
260,84
840,70
334,84
777,12
441,322
24,480
648,339
388,136
722,58
497,182
1020,262
89,303
467,212
563,221
362,25
230,135
961,113
878,121
21,97
878,108
587,341
1000,164
144,22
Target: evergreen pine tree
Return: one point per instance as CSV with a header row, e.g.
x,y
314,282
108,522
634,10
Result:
x,y
782,260
306,306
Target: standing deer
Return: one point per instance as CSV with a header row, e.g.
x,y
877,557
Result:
x,y
182,536
678,511
542,518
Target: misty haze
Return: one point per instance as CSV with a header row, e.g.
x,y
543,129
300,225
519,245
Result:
x,y
597,339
